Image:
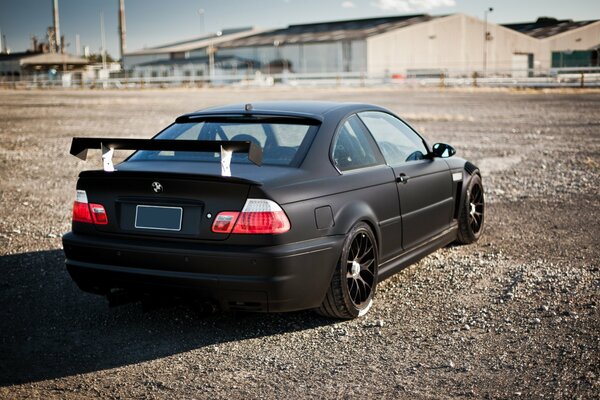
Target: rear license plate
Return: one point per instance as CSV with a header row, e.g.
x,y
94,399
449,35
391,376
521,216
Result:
x,y
159,218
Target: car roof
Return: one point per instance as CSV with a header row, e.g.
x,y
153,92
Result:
x,y
309,109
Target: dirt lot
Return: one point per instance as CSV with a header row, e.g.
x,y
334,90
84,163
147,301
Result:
x,y
514,315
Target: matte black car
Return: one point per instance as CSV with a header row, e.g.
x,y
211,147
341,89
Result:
x,y
273,206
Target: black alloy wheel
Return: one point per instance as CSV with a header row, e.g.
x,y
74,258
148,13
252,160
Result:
x,y
476,208
354,281
360,267
472,214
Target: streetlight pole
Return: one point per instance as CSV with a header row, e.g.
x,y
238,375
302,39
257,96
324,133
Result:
x,y
201,15
485,38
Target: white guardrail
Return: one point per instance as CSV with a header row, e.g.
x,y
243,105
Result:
x,y
556,77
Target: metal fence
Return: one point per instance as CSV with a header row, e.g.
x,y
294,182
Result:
x,y
534,78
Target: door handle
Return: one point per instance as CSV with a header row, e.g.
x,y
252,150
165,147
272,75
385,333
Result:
x,y
402,178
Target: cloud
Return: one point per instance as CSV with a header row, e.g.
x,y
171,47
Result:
x,y
348,4
412,5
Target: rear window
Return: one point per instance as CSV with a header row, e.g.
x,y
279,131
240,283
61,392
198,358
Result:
x,y
281,143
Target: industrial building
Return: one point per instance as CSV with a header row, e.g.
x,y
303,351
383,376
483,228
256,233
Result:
x,y
389,46
34,65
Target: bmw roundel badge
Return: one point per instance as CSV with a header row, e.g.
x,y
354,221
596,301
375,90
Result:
x,y
157,187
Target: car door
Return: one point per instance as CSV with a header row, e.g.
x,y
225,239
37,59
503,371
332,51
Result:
x,y
361,164
424,183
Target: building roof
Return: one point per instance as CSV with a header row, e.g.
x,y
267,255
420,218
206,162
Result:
x,y
53,59
545,27
27,58
304,33
198,43
328,31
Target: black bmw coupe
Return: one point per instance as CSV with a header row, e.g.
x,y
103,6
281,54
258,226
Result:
x,y
271,206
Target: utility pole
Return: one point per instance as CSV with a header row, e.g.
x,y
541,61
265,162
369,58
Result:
x,y
211,50
103,40
485,38
122,43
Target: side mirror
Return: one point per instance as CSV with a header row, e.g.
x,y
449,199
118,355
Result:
x,y
442,150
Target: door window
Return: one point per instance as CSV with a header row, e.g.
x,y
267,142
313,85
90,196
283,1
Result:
x,y
397,141
354,148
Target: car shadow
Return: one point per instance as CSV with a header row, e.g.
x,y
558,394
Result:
x,y
50,329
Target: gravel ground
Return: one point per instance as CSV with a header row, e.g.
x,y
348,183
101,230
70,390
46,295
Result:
x,y
514,315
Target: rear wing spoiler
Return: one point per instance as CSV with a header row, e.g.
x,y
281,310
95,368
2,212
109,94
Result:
x,y
80,146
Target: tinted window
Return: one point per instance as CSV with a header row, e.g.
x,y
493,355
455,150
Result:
x,y
279,142
354,148
397,141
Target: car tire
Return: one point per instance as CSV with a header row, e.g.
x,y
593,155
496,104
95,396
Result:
x,y
354,281
472,213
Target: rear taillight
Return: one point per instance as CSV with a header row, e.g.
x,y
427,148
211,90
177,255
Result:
x,y
259,216
81,212
88,213
98,214
225,221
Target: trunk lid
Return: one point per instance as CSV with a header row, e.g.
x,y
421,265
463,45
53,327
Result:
x,y
163,204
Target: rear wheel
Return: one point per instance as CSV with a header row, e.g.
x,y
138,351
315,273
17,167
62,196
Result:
x,y
353,284
472,213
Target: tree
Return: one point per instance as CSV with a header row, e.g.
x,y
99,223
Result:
x,y
97,58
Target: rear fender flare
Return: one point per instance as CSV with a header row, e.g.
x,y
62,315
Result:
x,y
353,213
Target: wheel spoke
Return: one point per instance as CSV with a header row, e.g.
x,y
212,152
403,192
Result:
x,y
363,290
357,292
360,281
358,247
365,266
365,253
366,284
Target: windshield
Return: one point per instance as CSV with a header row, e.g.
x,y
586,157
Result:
x,y
281,143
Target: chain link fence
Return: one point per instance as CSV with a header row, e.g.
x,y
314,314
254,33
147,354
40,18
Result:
x,y
585,77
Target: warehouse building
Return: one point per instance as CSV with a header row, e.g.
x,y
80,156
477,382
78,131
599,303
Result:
x,y
339,46
191,55
564,43
412,45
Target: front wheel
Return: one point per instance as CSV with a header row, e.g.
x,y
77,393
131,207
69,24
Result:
x,y
472,212
353,284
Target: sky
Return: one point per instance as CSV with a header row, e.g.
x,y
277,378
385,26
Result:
x,y
156,22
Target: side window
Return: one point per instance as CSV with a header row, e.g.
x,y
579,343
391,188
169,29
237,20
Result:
x,y
397,141
354,148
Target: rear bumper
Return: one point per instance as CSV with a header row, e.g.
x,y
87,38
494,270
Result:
x,y
276,278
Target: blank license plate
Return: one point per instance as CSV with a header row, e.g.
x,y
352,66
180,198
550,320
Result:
x,y
157,217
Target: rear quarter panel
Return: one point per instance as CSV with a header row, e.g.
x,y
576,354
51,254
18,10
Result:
x,y
368,195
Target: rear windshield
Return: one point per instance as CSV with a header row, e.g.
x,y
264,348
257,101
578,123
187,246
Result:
x,y
281,143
